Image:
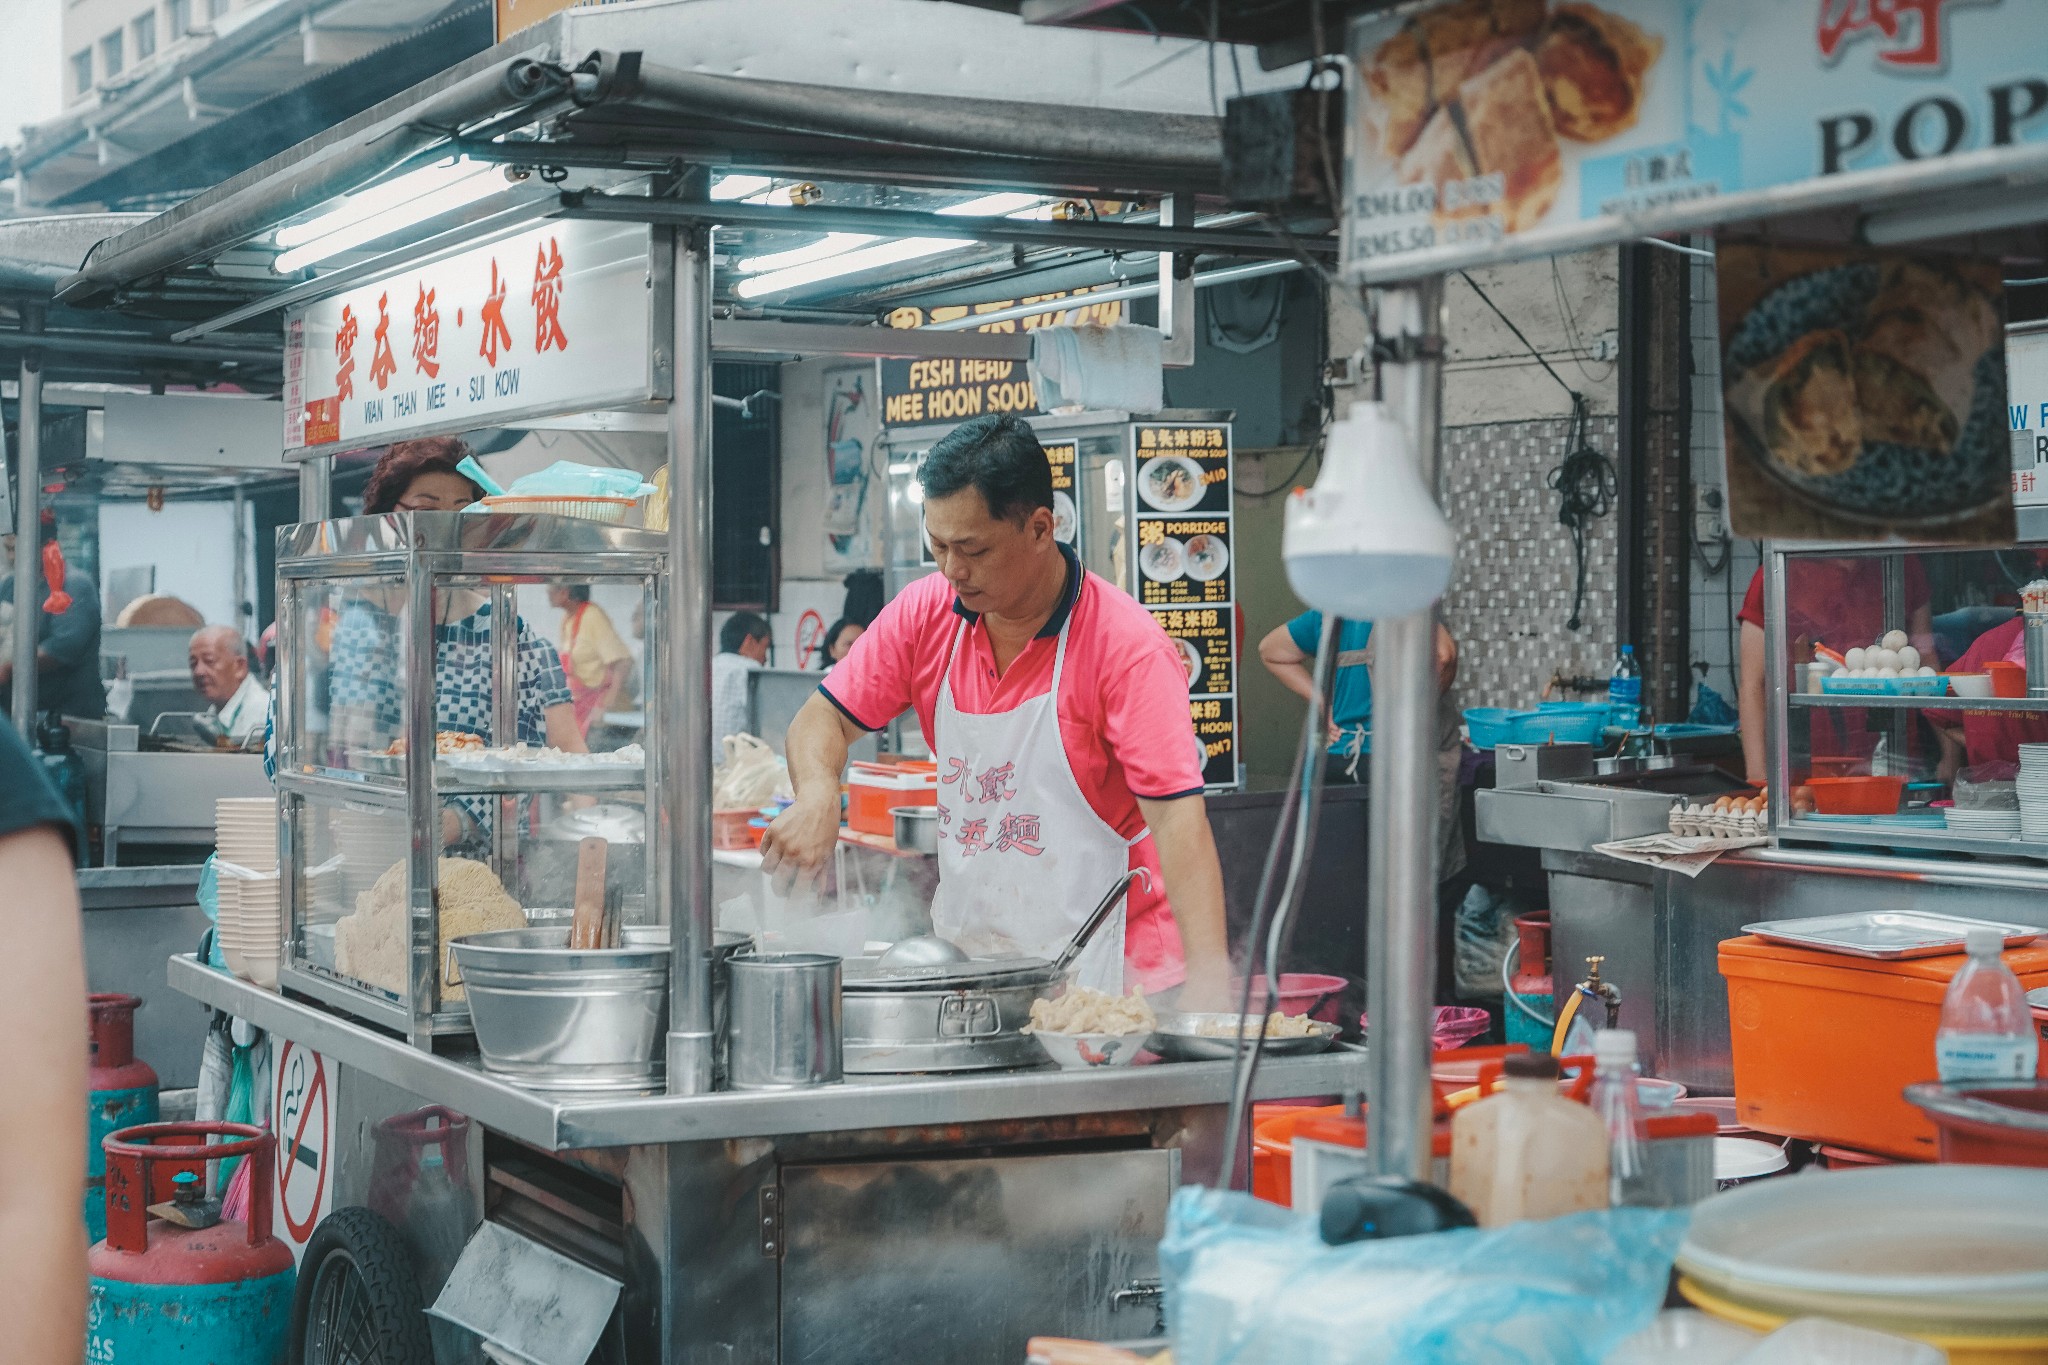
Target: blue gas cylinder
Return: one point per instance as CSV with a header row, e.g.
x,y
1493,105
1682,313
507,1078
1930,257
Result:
x,y
121,1094
176,1283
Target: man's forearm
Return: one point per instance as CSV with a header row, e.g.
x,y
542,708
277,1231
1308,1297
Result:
x,y
1194,883
816,747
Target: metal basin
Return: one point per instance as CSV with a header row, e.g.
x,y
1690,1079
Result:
x,y
557,1019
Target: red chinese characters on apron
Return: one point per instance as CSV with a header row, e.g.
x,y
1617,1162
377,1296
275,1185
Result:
x,y
1023,857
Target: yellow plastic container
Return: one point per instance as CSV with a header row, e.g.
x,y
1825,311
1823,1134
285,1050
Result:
x,y
1963,1349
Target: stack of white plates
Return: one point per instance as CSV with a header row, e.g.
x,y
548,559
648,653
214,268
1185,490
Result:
x,y
2033,789
251,914
1984,824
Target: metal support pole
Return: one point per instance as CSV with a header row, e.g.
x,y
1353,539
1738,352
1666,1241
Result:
x,y
244,614
685,728
1177,288
1401,873
28,530
316,487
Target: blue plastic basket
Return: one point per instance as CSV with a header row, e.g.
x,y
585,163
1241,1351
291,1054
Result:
x,y
1493,725
1561,726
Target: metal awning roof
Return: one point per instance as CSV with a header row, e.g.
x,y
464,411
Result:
x,y
895,110
195,81
94,346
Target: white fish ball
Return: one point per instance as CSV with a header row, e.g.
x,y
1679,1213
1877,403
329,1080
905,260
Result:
x,y
1854,658
1894,639
1909,657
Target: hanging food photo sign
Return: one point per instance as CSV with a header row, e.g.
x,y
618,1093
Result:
x,y
1185,571
1864,394
1488,130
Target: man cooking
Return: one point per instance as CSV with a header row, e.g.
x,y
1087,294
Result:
x,y
1056,709
237,702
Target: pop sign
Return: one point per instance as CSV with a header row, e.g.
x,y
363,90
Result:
x,y
553,319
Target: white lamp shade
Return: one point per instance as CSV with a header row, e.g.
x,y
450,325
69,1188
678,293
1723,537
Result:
x,y
1368,542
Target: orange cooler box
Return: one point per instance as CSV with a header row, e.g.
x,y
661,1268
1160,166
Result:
x,y
873,788
1825,1044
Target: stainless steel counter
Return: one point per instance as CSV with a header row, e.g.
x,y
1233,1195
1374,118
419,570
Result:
x,y
561,1124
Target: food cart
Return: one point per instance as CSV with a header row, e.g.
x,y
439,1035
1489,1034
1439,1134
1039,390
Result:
x,y
912,1216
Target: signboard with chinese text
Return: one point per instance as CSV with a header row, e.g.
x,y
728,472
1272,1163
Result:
x,y
1486,130
917,392
1184,574
2026,400
553,319
1066,509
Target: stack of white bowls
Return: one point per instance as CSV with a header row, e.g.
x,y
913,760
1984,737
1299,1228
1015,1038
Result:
x,y
251,911
368,843
2033,786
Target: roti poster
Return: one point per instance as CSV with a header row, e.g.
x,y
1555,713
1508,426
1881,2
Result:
x,y
1864,394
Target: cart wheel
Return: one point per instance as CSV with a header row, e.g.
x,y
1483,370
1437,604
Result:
x,y
357,1302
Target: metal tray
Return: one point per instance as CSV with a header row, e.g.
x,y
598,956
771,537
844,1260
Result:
x,y
539,777
1175,1040
1885,935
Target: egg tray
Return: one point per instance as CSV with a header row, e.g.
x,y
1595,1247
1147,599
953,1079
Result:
x,y
1885,687
1706,823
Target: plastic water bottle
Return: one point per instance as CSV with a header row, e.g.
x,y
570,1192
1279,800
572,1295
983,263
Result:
x,y
1987,1031
1615,1100
1625,691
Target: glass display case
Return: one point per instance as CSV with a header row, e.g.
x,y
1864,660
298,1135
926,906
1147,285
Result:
x,y
1900,701
433,772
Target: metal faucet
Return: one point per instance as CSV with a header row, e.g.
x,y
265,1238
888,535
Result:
x,y
1606,992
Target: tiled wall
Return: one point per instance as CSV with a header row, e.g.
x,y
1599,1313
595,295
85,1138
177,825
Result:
x,y
1723,566
1512,591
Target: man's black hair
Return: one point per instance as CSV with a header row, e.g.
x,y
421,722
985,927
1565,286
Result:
x,y
999,457
739,628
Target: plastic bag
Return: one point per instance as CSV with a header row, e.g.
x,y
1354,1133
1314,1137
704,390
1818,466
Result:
x,y
1249,1283
1988,786
750,776
209,901
567,479
1486,930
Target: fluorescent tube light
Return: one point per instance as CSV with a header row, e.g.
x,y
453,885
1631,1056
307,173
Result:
x,y
826,259
728,187
384,209
831,244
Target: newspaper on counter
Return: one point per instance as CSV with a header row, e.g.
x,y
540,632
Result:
x,y
1686,854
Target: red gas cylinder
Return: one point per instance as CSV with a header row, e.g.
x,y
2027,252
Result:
x,y
123,1094
174,1280
1531,983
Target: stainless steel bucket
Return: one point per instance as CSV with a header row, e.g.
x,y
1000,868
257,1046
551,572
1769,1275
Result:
x,y
556,1019
785,1031
916,828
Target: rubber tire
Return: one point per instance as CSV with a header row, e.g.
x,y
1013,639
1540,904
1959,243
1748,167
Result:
x,y
390,1290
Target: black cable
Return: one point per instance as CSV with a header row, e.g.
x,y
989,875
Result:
x,y
1585,485
1526,343
1305,796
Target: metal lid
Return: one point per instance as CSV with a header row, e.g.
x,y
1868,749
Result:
x,y
867,974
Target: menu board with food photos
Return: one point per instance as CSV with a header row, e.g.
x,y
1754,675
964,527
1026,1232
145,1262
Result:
x,y
1183,547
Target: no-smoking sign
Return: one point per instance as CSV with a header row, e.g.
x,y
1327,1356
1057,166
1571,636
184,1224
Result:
x,y
303,1119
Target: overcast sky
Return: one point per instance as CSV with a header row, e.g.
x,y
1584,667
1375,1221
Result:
x,y
31,76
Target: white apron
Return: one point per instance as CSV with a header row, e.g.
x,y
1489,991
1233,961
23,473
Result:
x,y
1023,857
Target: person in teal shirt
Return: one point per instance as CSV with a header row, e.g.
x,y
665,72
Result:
x,y
1289,653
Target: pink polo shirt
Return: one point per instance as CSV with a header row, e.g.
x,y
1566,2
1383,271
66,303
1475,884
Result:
x,y
1122,708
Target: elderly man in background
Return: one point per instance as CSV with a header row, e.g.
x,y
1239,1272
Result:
x,y
220,673
742,648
